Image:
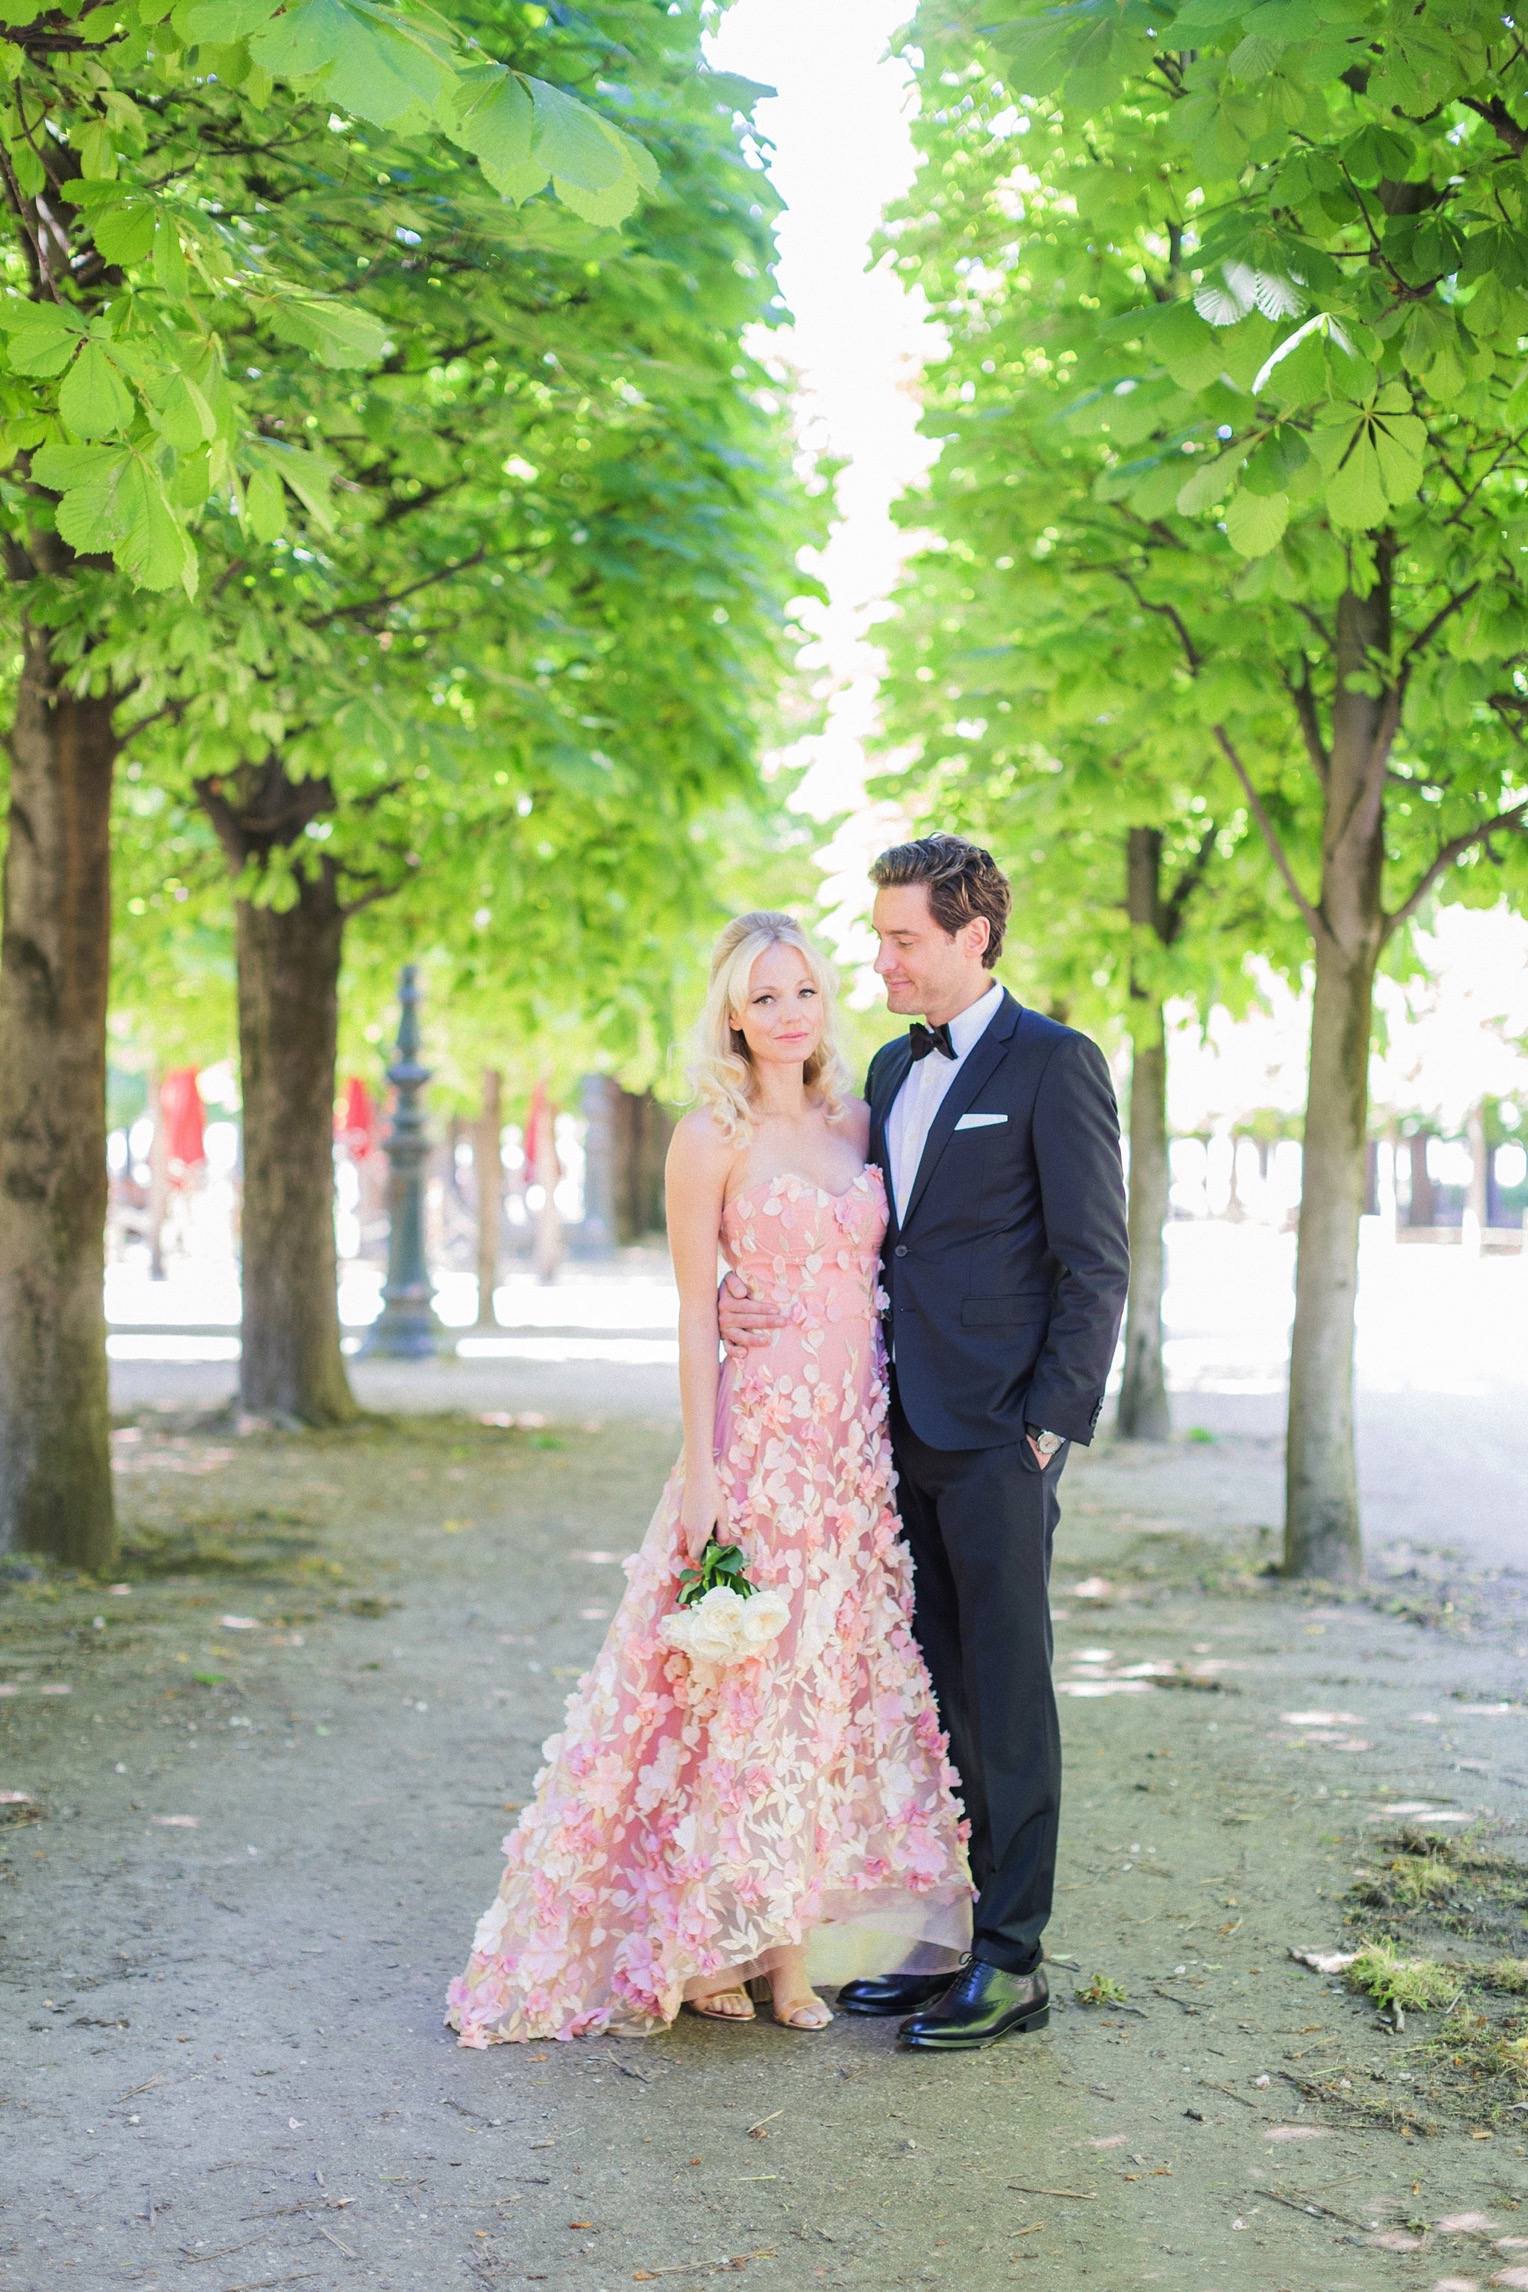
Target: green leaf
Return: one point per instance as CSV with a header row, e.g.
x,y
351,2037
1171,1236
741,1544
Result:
x,y
184,416
337,333
302,41
1157,492
170,272
1255,522
98,158
44,336
595,169
1087,48
733,90
224,21
124,231
1400,441
387,74
376,62
113,499
306,475
1279,457
94,401
1189,347
489,111
1355,493
1210,480
265,505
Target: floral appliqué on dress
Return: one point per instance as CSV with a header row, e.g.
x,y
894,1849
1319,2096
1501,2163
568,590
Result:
x,y
683,1828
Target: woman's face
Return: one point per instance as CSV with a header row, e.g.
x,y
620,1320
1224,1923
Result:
x,y
781,1022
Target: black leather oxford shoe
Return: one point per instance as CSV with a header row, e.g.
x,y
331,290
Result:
x,y
894,1993
981,2005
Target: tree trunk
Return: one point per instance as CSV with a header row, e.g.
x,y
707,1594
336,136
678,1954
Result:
x,y
289,967
159,1175
488,1171
1143,1410
55,1453
1322,1536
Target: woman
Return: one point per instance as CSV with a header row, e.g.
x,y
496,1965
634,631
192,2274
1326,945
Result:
x,y
790,1816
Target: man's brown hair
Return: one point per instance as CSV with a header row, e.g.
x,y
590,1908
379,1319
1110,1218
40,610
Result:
x,y
963,882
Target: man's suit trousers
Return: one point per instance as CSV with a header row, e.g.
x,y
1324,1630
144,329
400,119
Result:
x,y
980,1524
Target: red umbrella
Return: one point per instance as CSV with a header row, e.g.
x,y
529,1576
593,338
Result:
x,y
180,1103
355,1125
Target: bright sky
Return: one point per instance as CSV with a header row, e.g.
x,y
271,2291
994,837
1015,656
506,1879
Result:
x,y
842,153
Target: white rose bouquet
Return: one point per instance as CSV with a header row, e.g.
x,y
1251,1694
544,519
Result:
x,y
721,1617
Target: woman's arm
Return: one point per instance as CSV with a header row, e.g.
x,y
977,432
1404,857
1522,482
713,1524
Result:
x,y
695,1186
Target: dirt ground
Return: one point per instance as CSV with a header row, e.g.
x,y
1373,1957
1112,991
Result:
x,y
266,1784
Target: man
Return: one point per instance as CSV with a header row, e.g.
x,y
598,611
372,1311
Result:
x,y
1006,1266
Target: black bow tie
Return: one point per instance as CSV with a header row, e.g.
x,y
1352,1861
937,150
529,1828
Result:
x,y
925,1039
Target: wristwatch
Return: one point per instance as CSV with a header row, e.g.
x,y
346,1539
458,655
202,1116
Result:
x,y
1046,1443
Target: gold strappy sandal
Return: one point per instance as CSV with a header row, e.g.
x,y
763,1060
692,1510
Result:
x,y
710,2008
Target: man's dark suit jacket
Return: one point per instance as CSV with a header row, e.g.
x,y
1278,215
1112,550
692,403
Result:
x,y
1007,1276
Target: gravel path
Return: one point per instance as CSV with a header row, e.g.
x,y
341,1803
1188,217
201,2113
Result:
x,y
260,1850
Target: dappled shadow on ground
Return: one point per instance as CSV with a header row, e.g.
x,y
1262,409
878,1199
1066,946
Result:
x,y
260,1784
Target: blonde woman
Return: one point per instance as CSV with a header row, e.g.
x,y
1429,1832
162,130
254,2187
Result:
x,y
789,1816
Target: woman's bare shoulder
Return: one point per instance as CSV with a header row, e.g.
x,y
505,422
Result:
x,y
856,1120
699,1144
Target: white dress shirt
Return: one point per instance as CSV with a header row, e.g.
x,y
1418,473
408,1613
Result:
x,y
922,1094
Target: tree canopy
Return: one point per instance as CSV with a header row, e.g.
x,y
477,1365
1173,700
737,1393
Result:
x,y
1240,298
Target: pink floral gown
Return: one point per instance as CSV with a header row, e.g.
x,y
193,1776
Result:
x,y
684,1830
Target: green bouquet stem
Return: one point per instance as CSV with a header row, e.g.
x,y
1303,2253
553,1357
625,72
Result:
x,y
720,1565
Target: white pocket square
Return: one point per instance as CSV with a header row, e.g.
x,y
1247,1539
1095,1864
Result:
x,y
979,1121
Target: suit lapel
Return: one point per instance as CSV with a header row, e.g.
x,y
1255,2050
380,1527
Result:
x,y
897,1065
975,1070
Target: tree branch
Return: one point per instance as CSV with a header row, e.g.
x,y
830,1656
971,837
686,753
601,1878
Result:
x,y
1500,121
1185,887
384,604
1424,637
1315,923
1191,652
1505,823
1310,723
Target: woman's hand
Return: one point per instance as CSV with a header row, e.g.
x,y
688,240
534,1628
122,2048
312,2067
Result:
x,y
700,1510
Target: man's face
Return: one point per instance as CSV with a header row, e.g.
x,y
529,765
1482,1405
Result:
x,y
926,969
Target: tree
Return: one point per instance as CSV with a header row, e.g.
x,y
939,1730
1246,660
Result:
x,y
1275,258
1130,892
539,598
135,251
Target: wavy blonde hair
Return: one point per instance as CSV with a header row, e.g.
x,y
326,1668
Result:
x,y
722,1069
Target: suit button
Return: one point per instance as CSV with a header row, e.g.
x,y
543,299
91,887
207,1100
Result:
x,y
900,1250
